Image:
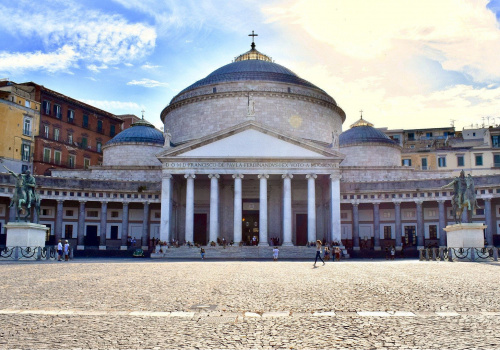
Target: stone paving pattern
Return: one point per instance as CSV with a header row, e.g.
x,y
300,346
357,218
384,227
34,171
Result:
x,y
144,304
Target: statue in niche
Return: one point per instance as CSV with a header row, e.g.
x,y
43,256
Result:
x,y
168,137
335,139
251,106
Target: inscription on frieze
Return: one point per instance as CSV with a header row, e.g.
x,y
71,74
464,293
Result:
x,y
250,165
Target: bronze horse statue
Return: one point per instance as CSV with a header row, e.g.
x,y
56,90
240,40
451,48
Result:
x,y
20,199
466,201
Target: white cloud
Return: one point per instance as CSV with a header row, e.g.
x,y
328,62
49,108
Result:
x,y
95,68
60,60
94,38
128,64
116,107
149,66
147,83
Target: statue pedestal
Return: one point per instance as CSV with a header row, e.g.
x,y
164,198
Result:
x,y
465,235
25,234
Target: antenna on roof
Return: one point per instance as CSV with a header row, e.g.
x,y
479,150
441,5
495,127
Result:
x,y
143,113
452,122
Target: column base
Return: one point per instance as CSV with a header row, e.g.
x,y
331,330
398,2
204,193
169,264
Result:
x,y
102,247
123,247
144,247
356,248
420,247
264,244
287,244
377,248
80,247
399,248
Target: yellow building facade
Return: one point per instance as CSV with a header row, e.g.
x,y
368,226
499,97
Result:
x,y
20,120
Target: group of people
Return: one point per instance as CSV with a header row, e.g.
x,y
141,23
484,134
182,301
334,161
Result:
x,y
326,256
63,250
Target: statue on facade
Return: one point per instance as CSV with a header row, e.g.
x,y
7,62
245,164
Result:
x,y
335,139
24,195
464,195
251,107
168,137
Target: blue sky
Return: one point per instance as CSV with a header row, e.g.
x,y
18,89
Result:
x,y
406,64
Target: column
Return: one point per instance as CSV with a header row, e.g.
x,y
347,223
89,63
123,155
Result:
x,y
214,207
263,238
335,228
397,215
189,235
489,221
355,226
59,221
287,209
124,225
311,207
237,223
420,225
104,221
81,227
376,226
145,226
166,207
442,223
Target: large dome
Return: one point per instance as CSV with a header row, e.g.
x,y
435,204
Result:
x,y
142,132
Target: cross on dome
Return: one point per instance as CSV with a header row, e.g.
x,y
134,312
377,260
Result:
x,y
253,37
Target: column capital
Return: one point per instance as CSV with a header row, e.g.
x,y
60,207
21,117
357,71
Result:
x,y
376,204
354,203
419,202
335,176
285,176
60,201
238,176
210,176
146,203
166,176
441,201
398,203
263,176
125,204
104,201
486,199
311,176
190,176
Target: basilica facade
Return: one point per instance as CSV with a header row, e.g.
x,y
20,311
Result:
x,y
254,155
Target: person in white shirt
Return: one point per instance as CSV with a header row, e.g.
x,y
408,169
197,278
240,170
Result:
x,y
66,250
275,253
59,251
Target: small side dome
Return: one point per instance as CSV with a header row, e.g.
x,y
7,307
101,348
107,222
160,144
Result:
x,y
364,145
141,131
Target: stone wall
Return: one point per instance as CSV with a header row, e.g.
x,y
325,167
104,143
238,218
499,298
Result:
x,y
303,117
384,174
371,155
131,154
152,174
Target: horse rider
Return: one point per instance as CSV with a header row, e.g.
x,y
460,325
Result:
x,y
29,184
459,184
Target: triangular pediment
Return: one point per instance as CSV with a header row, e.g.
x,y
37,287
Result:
x,y
251,140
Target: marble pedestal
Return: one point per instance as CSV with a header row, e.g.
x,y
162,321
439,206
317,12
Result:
x,y
466,235
25,234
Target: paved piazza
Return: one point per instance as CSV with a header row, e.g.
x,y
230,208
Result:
x,y
144,304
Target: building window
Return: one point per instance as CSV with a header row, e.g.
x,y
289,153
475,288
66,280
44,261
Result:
x,y
479,159
92,213
99,146
479,211
114,232
114,214
387,232
460,160
112,130
85,123
442,162
57,111
433,232
26,152
411,136
46,131
71,161
99,126
84,142
24,168
496,160
46,107
56,134
424,163
46,155
428,134
68,231
406,162
71,116
27,126
386,214
57,157
343,216
27,104
70,139
46,212
86,163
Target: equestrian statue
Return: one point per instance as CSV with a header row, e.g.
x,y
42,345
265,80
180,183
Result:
x,y
25,195
464,195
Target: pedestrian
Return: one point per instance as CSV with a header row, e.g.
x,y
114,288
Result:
x,y
275,253
393,253
318,253
327,253
59,251
337,254
66,250
202,252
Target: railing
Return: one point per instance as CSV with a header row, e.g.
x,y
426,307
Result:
x,y
459,254
28,253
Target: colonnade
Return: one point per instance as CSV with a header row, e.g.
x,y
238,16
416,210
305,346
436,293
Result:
x,y
214,227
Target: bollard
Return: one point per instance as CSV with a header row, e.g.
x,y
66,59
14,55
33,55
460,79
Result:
x,y
495,254
38,253
427,254
47,253
441,254
472,254
421,254
434,254
450,255
71,253
16,253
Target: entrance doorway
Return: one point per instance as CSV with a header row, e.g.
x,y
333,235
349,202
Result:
x,y
250,228
301,229
410,236
91,238
200,229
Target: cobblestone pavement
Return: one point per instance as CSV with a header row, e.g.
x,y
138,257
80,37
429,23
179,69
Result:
x,y
123,304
